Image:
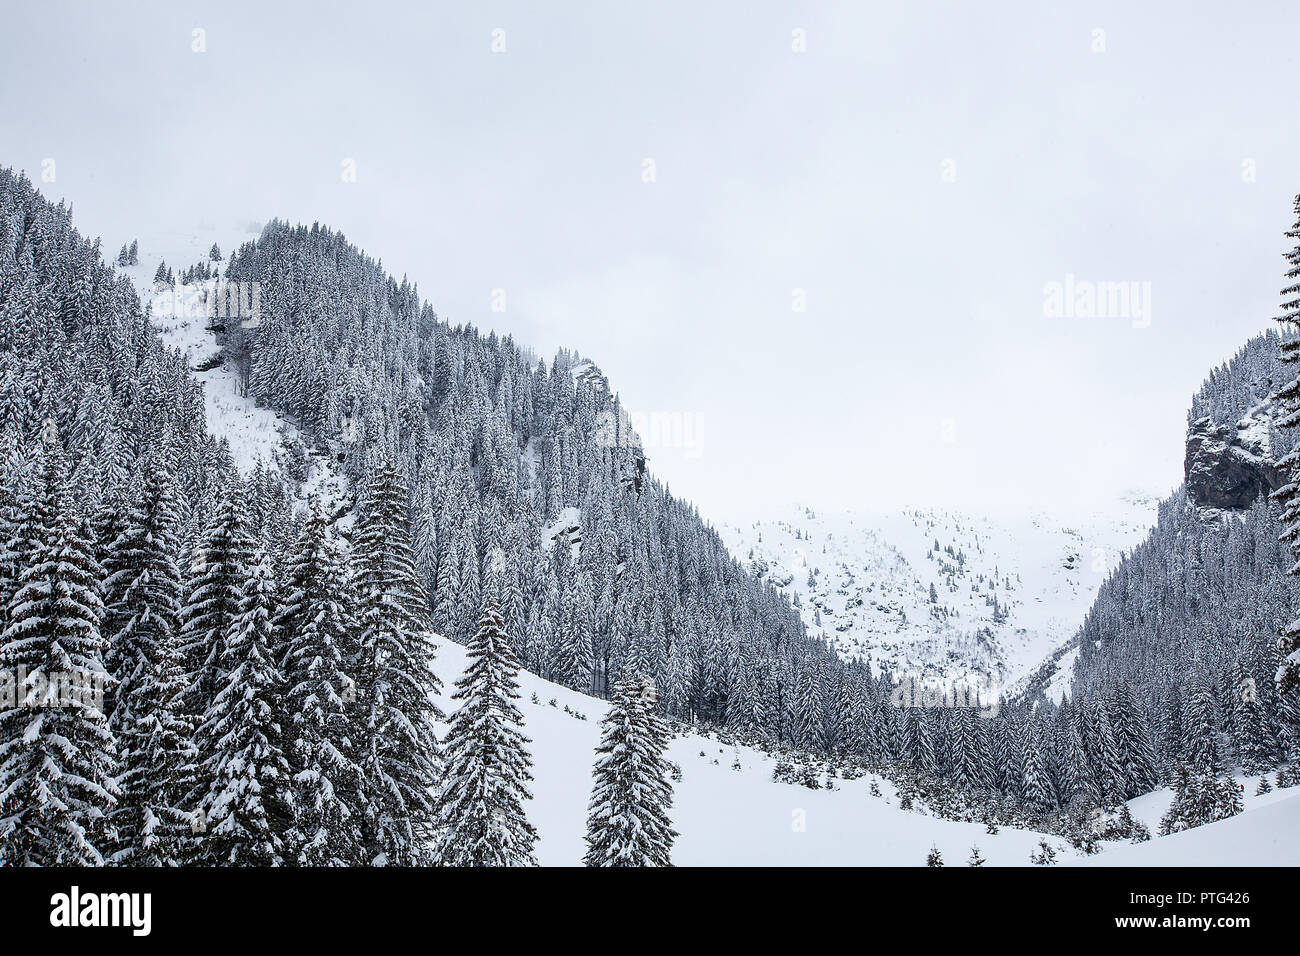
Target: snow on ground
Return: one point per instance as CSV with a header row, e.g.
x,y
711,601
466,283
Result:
x,y
727,816
255,433
1263,834
567,524
741,817
1008,592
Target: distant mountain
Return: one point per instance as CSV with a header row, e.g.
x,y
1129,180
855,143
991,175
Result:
x,y
939,593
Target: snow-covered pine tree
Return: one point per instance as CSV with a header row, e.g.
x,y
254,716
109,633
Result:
x,y
57,753
627,820
918,739
18,493
1133,738
1287,399
1200,798
317,627
398,747
1202,726
1225,794
570,655
1046,855
810,729
481,818
1253,736
858,731
155,734
218,571
1039,793
968,749
246,802
1081,780
1109,763
1180,814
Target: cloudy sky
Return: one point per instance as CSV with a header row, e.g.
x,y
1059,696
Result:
x,y
811,244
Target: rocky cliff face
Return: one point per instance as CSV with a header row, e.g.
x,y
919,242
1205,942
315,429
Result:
x,y
1228,467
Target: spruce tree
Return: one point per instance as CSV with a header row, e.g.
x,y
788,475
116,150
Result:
x,y
1081,781
1133,738
810,728
1250,724
919,741
317,628
399,752
1287,399
155,734
627,821
246,801
218,570
1202,727
1109,762
57,753
1038,790
570,657
481,819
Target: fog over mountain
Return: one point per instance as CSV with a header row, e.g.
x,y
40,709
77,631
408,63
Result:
x,y
920,173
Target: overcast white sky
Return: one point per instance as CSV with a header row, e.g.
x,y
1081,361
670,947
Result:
x,y
923,370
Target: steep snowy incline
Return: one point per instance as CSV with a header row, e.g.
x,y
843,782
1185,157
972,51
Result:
x,y
940,593
255,433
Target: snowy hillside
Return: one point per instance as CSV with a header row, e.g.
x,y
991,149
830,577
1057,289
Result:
x,y
255,433
729,811
1262,835
727,808
941,593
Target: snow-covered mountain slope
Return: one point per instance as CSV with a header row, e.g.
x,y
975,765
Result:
x,y
940,593
255,433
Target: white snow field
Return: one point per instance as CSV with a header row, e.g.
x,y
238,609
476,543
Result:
x,y
1267,833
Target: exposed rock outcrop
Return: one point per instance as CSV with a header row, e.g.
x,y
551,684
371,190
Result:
x,y
1228,467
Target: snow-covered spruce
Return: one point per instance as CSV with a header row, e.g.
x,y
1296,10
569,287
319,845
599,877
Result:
x,y
154,731
218,568
318,631
397,748
246,803
481,816
627,821
57,753
1288,400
